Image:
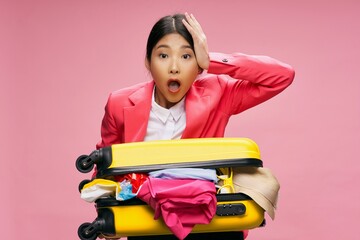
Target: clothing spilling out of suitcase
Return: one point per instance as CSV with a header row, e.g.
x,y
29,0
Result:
x,y
178,199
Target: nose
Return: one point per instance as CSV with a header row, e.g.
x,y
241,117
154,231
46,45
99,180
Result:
x,y
174,68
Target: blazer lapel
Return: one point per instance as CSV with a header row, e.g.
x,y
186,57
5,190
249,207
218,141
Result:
x,y
197,111
136,117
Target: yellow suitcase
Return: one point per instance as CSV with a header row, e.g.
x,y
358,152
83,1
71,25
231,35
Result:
x,y
235,212
155,155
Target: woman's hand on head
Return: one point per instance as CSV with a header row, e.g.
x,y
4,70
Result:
x,y
200,43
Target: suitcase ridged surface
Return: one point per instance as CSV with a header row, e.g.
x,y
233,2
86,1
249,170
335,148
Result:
x,y
138,220
182,151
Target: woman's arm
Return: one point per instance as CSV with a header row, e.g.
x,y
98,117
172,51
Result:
x,y
262,70
259,78
109,131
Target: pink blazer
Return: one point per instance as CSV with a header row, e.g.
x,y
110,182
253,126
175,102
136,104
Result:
x,y
232,84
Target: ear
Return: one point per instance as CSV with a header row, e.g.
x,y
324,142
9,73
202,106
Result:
x,y
147,64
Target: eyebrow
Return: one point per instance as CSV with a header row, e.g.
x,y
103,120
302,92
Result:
x,y
167,46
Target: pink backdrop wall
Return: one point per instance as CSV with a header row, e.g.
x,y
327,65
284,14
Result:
x,y
59,60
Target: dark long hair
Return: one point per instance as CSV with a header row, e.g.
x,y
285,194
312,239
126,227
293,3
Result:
x,y
166,25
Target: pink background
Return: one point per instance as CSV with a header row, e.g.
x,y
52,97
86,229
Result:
x,y
59,60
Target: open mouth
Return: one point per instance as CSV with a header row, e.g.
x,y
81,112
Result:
x,y
174,85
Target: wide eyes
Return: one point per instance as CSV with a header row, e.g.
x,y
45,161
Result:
x,y
185,56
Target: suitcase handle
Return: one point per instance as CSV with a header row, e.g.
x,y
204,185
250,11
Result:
x,y
231,209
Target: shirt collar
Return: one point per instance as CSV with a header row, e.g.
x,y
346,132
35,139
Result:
x,y
163,114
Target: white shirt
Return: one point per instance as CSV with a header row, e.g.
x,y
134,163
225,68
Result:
x,y
166,124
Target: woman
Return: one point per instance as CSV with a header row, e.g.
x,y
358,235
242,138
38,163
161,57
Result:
x,y
180,102
198,105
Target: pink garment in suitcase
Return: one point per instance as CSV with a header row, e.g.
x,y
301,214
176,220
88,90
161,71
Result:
x,y
181,203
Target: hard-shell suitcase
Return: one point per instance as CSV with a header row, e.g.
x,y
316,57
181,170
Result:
x,y
155,155
235,212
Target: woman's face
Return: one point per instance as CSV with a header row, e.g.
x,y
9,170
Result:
x,y
174,68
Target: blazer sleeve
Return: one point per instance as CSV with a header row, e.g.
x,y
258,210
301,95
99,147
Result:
x,y
109,130
255,79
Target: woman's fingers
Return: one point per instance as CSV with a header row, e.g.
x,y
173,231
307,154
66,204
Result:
x,y
194,23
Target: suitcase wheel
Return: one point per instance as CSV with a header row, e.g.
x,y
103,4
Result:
x,y
87,231
83,183
84,164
